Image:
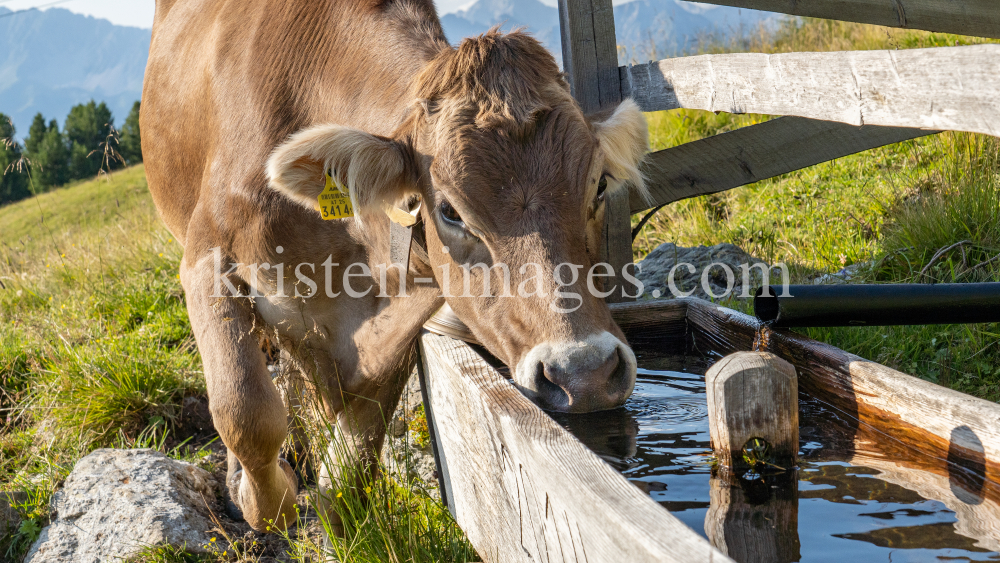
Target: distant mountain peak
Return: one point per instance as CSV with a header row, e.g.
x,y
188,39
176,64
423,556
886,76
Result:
x,y
54,59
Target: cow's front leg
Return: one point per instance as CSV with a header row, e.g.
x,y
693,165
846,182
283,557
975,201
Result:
x,y
246,408
352,459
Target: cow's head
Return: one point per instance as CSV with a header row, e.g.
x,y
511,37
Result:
x,y
513,177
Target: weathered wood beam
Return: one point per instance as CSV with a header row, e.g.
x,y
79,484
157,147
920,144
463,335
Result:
x,y
944,88
753,395
618,244
590,57
590,52
755,153
964,17
525,490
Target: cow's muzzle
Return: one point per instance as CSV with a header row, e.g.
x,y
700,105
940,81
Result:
x,y
592,374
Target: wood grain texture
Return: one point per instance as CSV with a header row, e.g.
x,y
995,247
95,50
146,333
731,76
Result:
x,y
590,55
755,153
753,395
964,17
944,88
957,433
524,489
654,325
618,244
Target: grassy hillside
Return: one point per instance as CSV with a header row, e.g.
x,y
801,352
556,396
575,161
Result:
x,y
96,350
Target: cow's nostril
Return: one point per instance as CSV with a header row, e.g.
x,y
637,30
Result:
x,y
546,382
620,381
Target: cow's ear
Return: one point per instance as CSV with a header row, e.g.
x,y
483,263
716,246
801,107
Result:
x,y
377,170
624,140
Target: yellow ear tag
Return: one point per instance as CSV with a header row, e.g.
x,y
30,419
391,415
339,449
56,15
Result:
x,y
334,202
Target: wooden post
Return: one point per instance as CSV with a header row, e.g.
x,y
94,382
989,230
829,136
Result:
x,y
590,53
755,521
753,395
590,58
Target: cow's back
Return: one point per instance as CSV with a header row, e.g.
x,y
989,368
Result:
x,y
228,80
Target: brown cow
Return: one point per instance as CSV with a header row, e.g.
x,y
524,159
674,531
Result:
x,y
247,104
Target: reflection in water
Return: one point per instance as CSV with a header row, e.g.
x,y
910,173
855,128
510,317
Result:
x,y
755,521
827,510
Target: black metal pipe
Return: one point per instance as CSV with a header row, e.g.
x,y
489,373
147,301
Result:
x,y
878,304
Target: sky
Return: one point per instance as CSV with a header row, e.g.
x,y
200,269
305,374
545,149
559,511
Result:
x,y
139,13
135,13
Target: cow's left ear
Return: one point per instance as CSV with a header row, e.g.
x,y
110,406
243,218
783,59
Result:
x,y
624,140
378,171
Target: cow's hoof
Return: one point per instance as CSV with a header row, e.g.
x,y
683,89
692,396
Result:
x,y
232,506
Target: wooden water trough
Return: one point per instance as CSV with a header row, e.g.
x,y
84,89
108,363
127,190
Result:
x,y
524,489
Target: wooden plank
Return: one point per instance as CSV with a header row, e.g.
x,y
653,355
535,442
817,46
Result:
x,y
524,489
654,325
958,435
618,244
964,17
590,55
755,153
945,88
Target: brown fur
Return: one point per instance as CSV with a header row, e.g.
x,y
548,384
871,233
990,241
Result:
x,y
246,103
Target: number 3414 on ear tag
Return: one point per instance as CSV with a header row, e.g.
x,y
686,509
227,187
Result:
x,y
334,202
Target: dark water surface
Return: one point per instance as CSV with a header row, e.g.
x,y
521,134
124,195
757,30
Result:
x,y
839,505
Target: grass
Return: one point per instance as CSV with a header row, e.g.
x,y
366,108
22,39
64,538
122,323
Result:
x,y
95,346
96,351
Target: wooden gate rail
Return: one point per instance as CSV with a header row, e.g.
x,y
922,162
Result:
x,y
954,88
750,154
523,489
963,17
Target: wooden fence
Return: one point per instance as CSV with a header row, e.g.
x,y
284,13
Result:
x,y
838,103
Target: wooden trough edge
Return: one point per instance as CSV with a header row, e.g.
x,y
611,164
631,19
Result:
x,y
524,489
958,435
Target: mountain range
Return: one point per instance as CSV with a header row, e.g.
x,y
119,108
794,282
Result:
x,y
644,29
51,60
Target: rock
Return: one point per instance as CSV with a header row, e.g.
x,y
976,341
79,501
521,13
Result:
x,y
844,275
655,268
405,460
10,518
115,502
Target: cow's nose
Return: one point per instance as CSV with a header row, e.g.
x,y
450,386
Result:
x,y
592,374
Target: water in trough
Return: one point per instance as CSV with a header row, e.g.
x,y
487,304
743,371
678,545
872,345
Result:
x,y
844,502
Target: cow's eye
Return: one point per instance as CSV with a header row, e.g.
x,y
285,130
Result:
x,y
450,215
602,186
